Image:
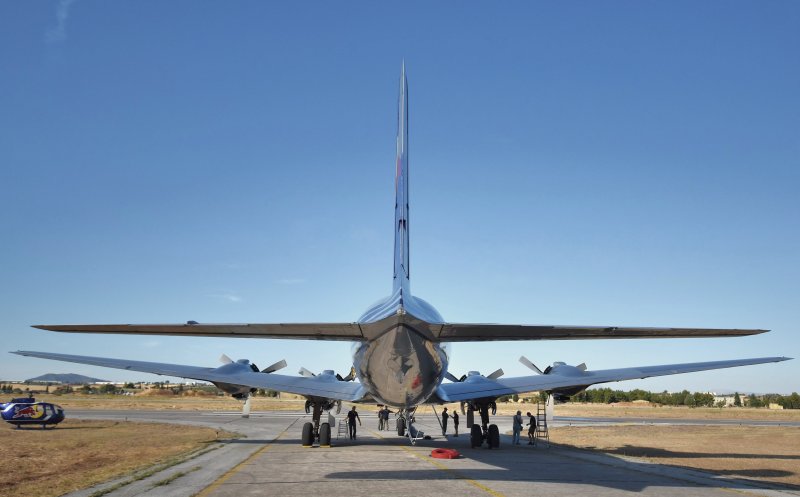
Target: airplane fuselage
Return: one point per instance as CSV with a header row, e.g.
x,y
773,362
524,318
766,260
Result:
x,y
400,363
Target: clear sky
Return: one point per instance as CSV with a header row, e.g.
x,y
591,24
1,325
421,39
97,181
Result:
x,y
596,163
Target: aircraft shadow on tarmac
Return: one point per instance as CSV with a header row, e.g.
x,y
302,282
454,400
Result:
x,y
561,464
636,451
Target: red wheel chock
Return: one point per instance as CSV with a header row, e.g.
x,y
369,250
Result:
x,y
445,454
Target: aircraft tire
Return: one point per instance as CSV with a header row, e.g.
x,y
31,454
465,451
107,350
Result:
x,y
308,435
325,435
401,427
475,436
494,437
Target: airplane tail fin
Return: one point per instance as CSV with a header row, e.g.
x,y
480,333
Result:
x,y
401,255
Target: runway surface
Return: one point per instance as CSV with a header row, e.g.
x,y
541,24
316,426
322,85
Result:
x,y
270,461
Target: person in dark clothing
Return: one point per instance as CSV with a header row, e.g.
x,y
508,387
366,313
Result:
x,y
386,413
455,423
531,429
352,416
445,416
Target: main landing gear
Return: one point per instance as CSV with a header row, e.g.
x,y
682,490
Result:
x,y
317,431
484,431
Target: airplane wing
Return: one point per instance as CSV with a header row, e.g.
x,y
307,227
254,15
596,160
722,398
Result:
x,y
566,377
469,332
321,386
304,331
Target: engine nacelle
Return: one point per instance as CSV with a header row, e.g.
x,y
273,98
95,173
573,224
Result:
x,y
236,391
561,396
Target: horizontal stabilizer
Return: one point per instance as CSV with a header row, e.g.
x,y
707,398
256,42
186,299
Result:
x,y
463,332
303,331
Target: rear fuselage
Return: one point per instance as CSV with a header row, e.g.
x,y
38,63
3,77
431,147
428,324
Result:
x,y
400,363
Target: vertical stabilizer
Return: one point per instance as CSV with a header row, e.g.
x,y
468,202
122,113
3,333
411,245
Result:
x,y
401,256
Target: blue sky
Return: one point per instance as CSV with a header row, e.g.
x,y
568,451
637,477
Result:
x,y
619,163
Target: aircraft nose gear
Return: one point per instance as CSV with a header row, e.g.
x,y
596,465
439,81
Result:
x,y
484,431
317,431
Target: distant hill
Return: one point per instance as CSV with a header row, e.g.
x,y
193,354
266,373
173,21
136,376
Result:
x,y
69,378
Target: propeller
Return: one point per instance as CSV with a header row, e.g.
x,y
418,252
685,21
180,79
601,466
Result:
x,y
524,360
452,378
495,375
350,376
248,397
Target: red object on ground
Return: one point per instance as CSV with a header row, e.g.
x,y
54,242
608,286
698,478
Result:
x,y
445,454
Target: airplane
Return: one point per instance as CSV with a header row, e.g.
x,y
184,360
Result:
x,y
401,349
26,411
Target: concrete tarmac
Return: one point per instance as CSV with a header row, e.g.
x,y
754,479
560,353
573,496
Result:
x,y
270,461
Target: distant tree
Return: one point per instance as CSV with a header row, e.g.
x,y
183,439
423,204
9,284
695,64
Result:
x,y
86,388
791,401
130,385
754,401
515,398
737,401
108,388
689,400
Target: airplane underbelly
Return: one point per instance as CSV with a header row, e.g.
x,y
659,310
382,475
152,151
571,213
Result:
x,y
401,368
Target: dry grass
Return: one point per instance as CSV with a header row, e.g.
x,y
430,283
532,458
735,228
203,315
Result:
x,y
746,452
167,402
77,454
632,410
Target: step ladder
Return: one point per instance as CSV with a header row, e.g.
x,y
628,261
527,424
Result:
x,y
342,431
542,433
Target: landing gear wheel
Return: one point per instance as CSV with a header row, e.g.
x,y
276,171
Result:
x,y
401,427
325,435
308,435
494,437
475,436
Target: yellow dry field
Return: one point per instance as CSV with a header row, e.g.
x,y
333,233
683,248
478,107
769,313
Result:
x,y
78,454
636,410
742,452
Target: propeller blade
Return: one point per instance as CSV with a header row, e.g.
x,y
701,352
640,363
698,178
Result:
x,y
450,377
497,374
225,359
306,373
524,360
247,405
581,366
275,367
350,376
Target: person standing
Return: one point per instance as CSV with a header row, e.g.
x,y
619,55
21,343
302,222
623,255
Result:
x,y
386,413
531,429
444,421
352,416
517,428
455,423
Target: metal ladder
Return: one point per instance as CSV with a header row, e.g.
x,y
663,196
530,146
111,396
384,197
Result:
x,y
542,432
342,429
